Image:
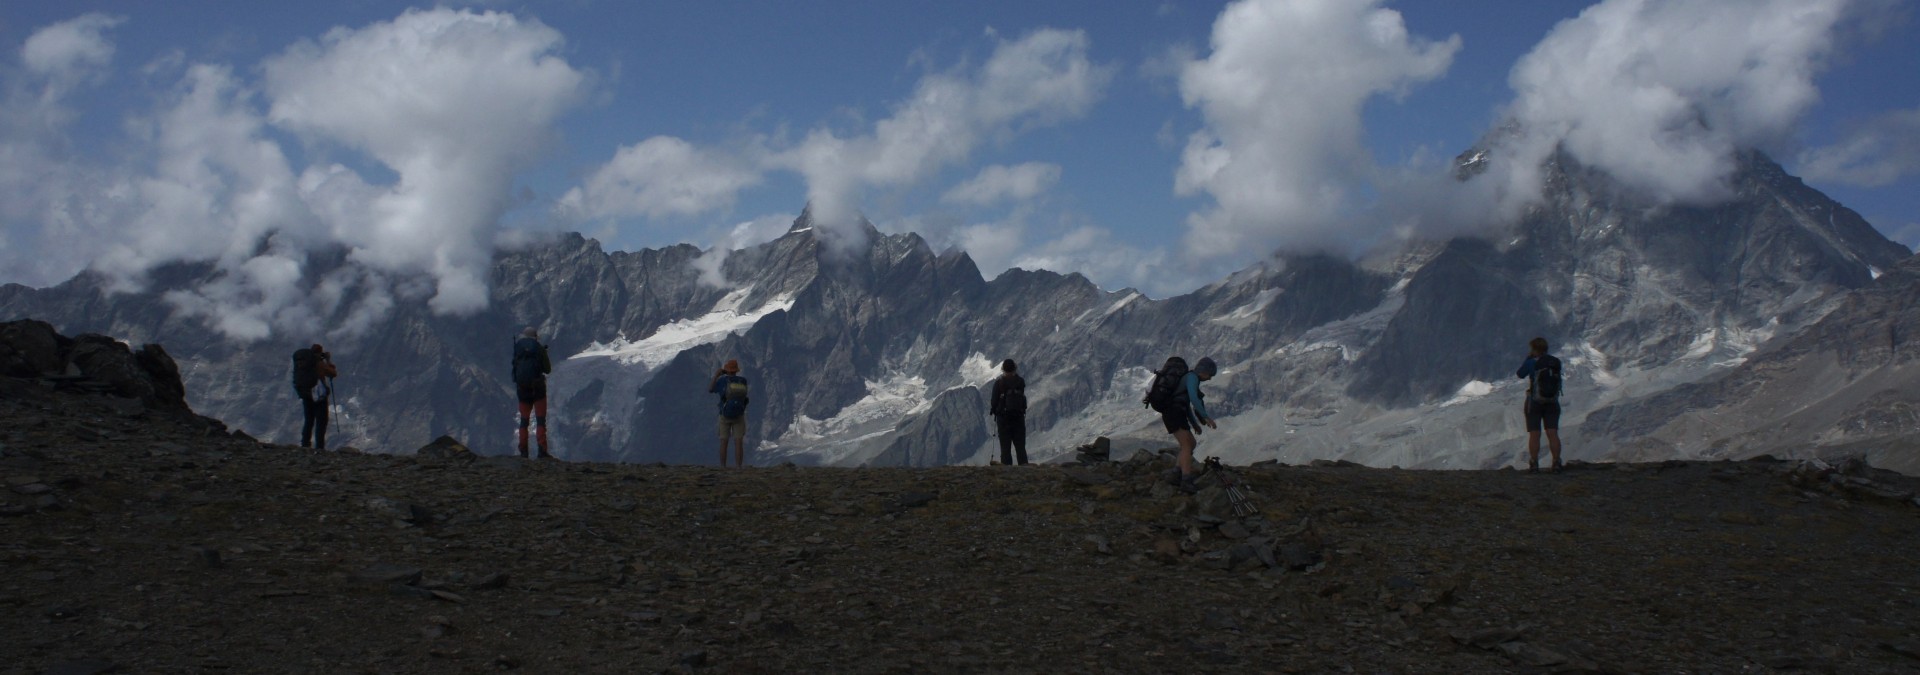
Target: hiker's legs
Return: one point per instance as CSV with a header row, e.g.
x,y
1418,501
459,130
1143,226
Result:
x,y
740,450
526,409
320,425
306,426
1550,418
540,421
1533,449
1185,438
1019,434
725,433
1003,427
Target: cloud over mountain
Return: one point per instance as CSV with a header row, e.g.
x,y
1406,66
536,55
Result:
x,y
1282,153
451,103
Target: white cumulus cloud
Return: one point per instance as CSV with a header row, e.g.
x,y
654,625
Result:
x,y
1282,153
662,176
1000,183
1037,80
1661,94
455,103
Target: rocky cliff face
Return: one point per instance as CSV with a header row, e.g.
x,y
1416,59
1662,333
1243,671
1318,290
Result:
x,y
871,355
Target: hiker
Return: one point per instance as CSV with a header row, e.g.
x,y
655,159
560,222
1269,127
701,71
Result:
x,y
732,389
1175,394
530,368
1009,410
313,373
1542,407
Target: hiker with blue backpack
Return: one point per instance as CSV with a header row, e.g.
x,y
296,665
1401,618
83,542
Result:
x,y
530,368
1009,411
1175,394
1542,409
732,389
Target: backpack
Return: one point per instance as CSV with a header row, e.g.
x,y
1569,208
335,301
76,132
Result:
x,y
1546,379
305,365
1013,400
1165,393
529,362
733,397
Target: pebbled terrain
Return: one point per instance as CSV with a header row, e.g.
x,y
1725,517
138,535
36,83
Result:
x,y
136,539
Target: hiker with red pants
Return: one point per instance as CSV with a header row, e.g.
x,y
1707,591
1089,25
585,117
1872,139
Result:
x,y
530,368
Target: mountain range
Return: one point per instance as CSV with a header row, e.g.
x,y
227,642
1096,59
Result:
x,y
1772,322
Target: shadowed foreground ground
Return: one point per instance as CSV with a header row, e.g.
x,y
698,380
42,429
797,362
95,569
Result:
x,y
140,541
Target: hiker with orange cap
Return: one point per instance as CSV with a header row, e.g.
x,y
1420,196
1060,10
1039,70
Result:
x,y
732,389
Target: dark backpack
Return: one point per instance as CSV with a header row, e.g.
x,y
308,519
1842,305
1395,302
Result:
x,y
529,361
1013,399
733,397
1165,393
305,369
1546,378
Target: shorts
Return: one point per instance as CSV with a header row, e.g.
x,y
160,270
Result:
x,y
532,392
733,427
1177,419
1542,415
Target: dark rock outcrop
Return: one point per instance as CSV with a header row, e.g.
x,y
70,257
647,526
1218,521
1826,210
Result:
x,y
31,349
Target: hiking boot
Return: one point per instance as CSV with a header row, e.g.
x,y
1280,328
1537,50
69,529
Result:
x,y
1189,484
544,454
1556,466
1171,477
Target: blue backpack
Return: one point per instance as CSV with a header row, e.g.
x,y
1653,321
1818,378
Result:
x,y
733,397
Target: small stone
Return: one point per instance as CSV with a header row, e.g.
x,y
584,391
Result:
x,y
449,597
1299,555
33,489
694,659
490,582
383,573
914,500
87,667
1095,544
211,557
1232,529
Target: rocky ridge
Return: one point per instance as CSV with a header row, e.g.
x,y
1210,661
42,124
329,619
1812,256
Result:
x,y
144,540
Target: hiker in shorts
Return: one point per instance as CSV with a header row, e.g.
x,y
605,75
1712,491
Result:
x,y
530,368
732,389
1542,408
1009,411
1175,393
313,373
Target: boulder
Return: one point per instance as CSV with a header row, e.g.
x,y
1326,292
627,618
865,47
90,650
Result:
x,y
30,348
446,448
149,375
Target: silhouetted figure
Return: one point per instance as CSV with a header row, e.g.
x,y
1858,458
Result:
x,y
1009,410
313,373
732,389
530,368
1542,408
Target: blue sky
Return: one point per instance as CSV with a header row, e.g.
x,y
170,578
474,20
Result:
x,y
1150,144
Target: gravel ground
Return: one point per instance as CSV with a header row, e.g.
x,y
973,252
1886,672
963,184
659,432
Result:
x,y
133,541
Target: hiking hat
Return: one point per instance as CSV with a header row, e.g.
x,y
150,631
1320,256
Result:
x,y
1007,366
316,348
1206,367
530,332
733,366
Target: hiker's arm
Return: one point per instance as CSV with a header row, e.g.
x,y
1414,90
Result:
x,y
1193,397
1526,368
546,363
993,401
